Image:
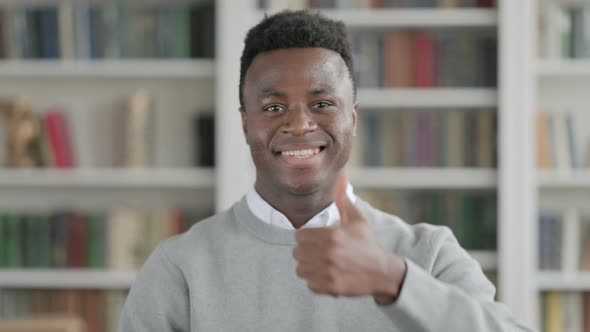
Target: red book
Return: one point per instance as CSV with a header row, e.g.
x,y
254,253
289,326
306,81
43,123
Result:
x,y
94,310
376,3
425,63
586,313
398,59
77,240
56,125
486,3
179,224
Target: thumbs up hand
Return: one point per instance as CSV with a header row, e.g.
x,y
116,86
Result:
x,y
348,260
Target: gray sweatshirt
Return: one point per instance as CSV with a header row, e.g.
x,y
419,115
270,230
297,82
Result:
x,y
234,272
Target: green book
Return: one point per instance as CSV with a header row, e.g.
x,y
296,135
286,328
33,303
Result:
x,y
182,37
13,251
37,241
467,220
2,241
96,240
490,222
30,240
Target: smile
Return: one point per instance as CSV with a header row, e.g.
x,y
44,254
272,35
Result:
x,y
301,154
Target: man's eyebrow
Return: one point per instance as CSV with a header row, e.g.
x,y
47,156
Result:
x,y
321,91
266,93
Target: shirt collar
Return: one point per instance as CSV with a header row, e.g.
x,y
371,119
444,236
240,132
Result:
x,y
265,212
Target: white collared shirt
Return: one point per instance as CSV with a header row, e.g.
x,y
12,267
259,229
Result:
x,y
265,212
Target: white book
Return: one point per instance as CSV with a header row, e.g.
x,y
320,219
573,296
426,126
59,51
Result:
x,y
125,239
573,312
276,5
297,4
571,241
138,131
557,25
66,30
80,139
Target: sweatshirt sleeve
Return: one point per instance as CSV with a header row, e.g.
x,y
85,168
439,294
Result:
x,y
158,299
454,296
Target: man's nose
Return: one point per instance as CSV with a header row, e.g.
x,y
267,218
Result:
x,y
299,121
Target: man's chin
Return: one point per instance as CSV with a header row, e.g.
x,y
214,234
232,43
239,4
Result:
x,y
303,188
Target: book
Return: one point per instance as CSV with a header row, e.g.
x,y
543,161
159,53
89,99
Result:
x,y
553,312
424,60
544,153
204,130
96,240
139,130
125,239
3,34
13,245
398,60
3,240
58,132
78,237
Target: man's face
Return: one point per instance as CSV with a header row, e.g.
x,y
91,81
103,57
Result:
x,y
298,118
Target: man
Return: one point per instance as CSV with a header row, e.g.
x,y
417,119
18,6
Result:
x,y
300,252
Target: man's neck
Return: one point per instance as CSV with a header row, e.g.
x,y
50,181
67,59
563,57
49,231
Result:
x,y
299,209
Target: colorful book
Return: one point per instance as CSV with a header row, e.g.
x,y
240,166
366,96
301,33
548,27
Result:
x,y
425,60
96,240
77,241
57,128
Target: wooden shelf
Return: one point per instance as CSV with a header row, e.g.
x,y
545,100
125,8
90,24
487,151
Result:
x,y
129,68
106,279
189,178
411,18
423,178
575,68
54,278
574,179
562,281
431,97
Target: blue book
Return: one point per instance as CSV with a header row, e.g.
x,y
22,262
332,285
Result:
x,y
372,143
94,29
59,239
49,33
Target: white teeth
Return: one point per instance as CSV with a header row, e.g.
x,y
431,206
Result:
x,y
301,153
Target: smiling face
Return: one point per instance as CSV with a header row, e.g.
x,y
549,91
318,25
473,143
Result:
x,y
298,117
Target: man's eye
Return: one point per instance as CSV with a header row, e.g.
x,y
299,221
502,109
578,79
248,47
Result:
x,y
321,104
273,108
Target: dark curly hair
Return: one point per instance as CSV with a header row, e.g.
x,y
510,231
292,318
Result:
x,y
295,29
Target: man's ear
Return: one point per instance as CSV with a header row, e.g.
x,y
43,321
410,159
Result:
x,y
244,127
354,117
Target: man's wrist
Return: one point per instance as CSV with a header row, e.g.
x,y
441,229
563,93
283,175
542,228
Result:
x,y
393,280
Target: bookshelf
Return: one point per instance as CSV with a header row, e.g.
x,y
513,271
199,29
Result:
x,y
60,279
411,17
188,178
555,68
146,69
561,189
558,281
87,89
427,97
423,178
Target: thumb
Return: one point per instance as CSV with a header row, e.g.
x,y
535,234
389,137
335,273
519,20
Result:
x,y
348,211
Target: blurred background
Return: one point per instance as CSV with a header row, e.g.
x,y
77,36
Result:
x,y
119,127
